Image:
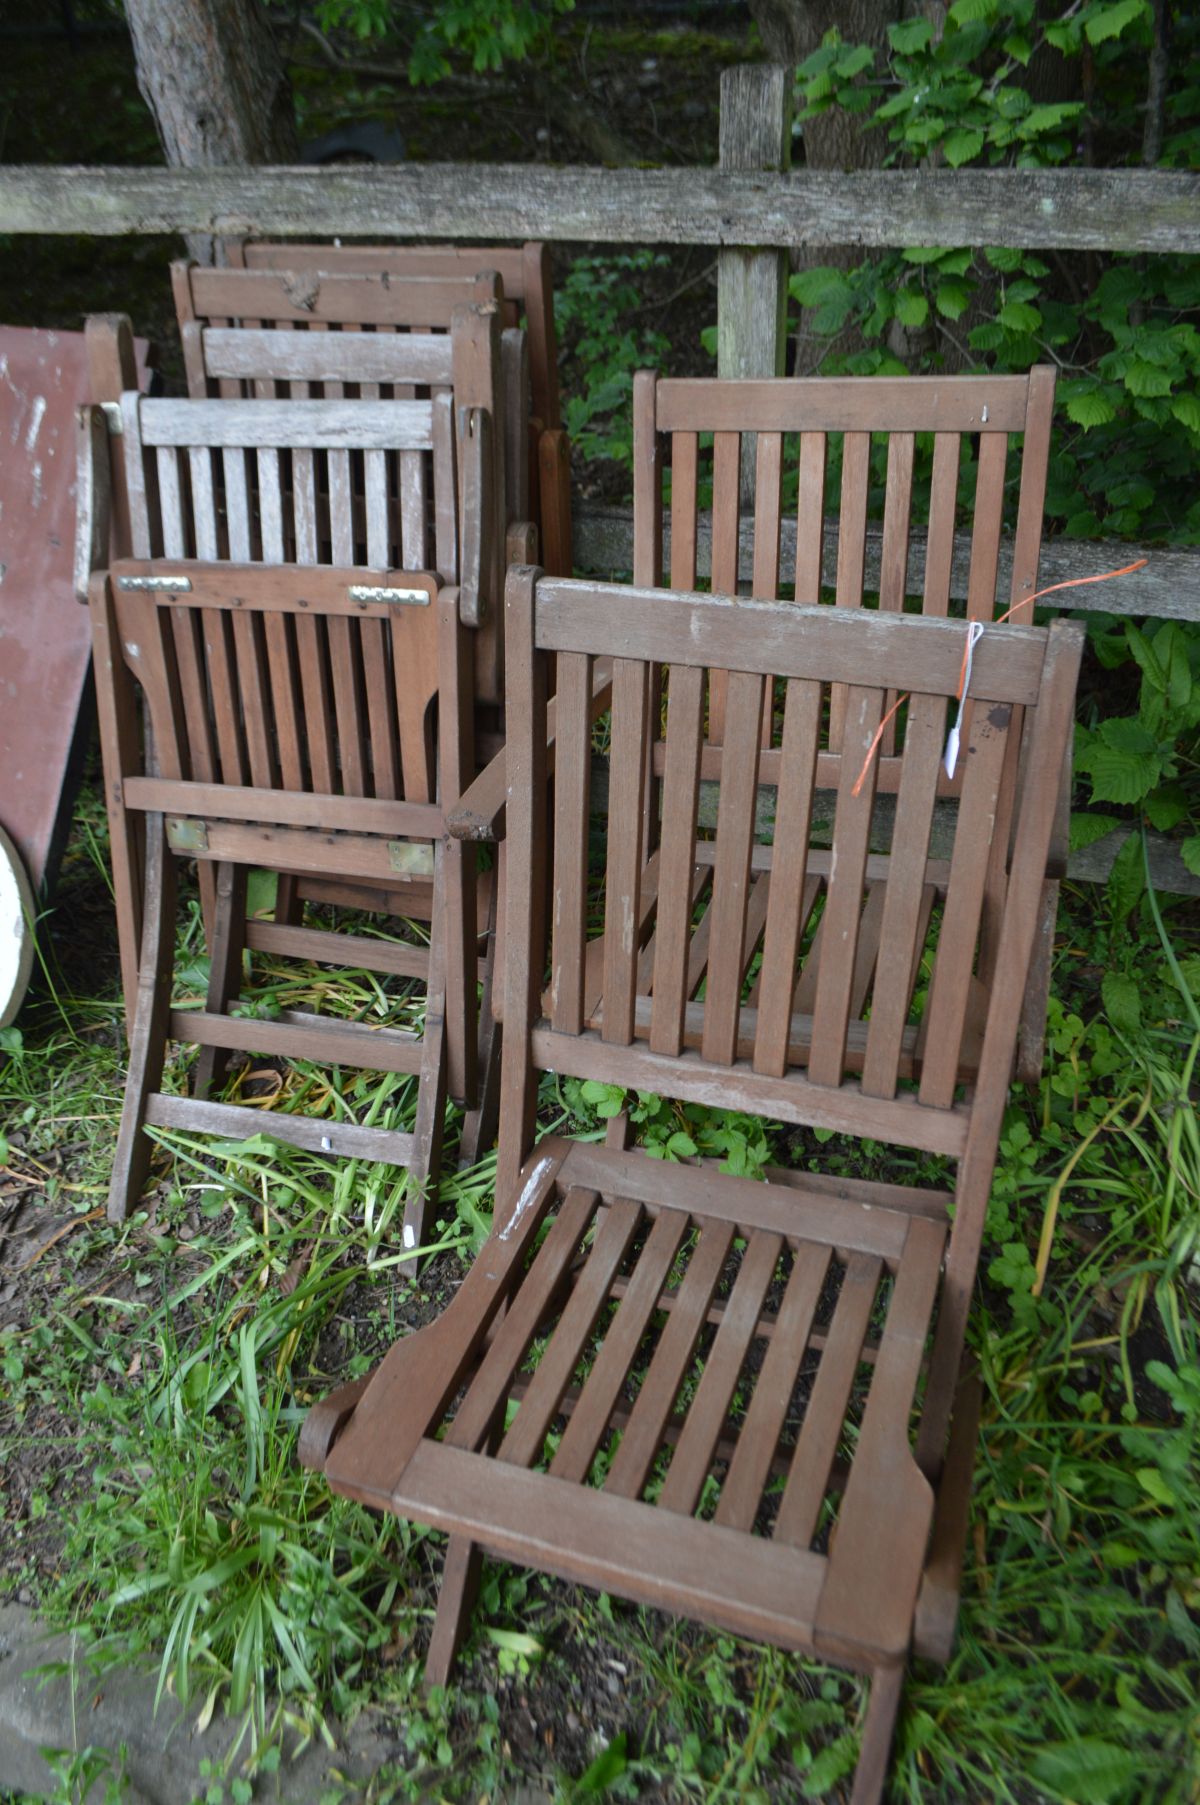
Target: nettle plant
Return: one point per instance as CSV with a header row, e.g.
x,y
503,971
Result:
x,y
1122,331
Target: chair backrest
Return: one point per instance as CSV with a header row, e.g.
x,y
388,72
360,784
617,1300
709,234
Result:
x,y
814,485
524,272
307,688
468,364
794,1022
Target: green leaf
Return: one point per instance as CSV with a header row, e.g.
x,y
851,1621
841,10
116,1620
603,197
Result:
x,y
1091,408
952,297
1142,378
1112,20
608,1766
814,286
1087,829
1166,808
912,309
1124,761
1086,1771
1049,118
1127,879
1019,316
1189,852
968,12
962,146
1186,409
861,57
1152,1481
909,36
1122,1001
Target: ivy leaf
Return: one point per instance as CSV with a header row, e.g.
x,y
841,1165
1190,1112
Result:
x,y
912,309
1122,1001
961,146
1091,408
1087,829
910,36
1112,20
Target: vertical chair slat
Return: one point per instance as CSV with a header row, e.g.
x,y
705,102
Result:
x,y
945,1012
731,875
788,908
376,640
681,791
626,826
572,779
939,542
684,447
852,552
727,464
768,520
987,519
204,512
135,476
287,702
758,1438
602,1387
900,933
614,1232
816,1445
707,1414
185,625
648,1418
810,517
843,907
344,650
445,488
893,564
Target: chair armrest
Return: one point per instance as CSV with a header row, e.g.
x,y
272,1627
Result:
x,y
479,812
93,492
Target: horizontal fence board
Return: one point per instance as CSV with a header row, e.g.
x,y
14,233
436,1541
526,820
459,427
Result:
x,y
1076,209
1090,866
1168,588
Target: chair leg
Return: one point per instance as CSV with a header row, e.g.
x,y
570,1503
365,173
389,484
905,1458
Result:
x,y
148,1042
289,904
425,1166
456,1601
480,1124
225,969
878,1729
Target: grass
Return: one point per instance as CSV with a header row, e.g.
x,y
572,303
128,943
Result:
x,y
153,1378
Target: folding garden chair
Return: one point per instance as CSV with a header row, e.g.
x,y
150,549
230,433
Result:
x,y
815,486
724,1403
296,657
390,287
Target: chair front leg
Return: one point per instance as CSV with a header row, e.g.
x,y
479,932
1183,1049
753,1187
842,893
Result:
x,y
148,1042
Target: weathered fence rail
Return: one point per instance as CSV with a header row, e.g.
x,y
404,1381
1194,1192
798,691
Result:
x,y
1168,587
1075,209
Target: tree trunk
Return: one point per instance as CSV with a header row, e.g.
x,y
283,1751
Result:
x,y
211,75
791,30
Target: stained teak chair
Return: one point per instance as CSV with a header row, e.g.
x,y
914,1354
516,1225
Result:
x,y
306,675
410,290
733,1399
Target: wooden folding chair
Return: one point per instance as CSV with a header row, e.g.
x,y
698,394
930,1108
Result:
x,y
853,535
725,1406
290,677
393,287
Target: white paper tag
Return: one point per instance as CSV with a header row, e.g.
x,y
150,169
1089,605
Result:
x,y
974,635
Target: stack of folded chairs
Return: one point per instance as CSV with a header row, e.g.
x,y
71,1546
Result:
x,y
328,647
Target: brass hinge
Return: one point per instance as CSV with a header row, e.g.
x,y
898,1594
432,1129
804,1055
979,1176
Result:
x,y
185,834
411,858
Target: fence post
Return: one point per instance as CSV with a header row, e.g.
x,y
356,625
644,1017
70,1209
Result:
x,y
756,133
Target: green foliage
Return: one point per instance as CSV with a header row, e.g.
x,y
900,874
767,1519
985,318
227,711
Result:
x,y
485,34
592,311
1125,339
674,1131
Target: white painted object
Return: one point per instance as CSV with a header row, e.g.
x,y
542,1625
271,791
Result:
x,y
17,910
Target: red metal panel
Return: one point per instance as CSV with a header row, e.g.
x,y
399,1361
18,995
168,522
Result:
x,y
45,639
